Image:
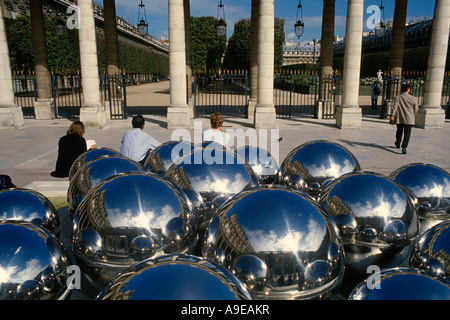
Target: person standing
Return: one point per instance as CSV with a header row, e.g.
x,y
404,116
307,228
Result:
x,y
70,147
214,133
136,143
404,112
376,91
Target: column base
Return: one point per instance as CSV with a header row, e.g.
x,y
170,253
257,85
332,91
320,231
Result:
x,y
11,117
430,118
265,117
43,109
348,117
93,116
178,117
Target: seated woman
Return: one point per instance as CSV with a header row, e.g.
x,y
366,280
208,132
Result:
x,y
70,146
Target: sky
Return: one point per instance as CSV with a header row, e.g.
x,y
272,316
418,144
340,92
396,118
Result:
x,y
157,14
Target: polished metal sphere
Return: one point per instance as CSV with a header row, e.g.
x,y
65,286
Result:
x,y
90,155
209,173
430,185
377,220
166,154
128,218
262,162
33,263
279,242
402,284
21,204
311,166
176,277
94,172
432,251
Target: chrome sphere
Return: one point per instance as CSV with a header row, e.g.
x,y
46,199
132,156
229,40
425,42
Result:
x,y
279,242
128,218
209,173
176,277
431,186
376,218
20,204
312,165
94,172
166,154
89,156
262,162
402,284
432,251
33,263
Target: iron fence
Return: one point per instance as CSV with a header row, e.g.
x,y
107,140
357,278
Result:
x,y
224,93
24,87
67,95
115,94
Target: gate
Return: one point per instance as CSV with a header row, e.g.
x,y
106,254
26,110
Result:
x,y
332,94
24,87
295,95
66,92
224,93
115,94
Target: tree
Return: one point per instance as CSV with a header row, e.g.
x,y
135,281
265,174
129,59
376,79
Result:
x,y
238,51
207,47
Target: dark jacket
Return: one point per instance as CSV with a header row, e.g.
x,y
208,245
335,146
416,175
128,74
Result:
x,y
70,147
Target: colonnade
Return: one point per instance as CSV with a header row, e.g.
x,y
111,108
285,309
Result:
x,y
261,104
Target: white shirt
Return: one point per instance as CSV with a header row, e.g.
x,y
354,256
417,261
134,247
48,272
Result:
x,y
136,143
216,136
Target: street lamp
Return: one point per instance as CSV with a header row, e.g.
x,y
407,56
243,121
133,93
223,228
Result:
x,y
299,25
314,56
221,26
142,25
60,25
380,28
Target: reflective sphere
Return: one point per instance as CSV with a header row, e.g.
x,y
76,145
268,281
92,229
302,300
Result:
x,y
33,263
376,218
209,173
89,156
279,242
402,284
431,186
128,218
176,277
22,204
94,172
262,162
312,165
432,251
166,154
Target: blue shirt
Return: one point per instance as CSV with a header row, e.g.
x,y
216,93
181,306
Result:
x,y
136,143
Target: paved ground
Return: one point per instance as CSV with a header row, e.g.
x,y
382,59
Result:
x,y
28,155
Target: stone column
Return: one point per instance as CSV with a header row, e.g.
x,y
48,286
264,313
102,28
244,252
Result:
x,y
178,110
253,72
265,115
11,116
43,107
431,115
349,115
187,27
326,56
111,42
92,113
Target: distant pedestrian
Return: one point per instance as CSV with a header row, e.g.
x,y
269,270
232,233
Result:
x,y
136,144
404,112
215,133
376,91
70,147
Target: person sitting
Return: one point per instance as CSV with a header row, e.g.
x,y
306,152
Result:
x,y
215,134
136,144
70,147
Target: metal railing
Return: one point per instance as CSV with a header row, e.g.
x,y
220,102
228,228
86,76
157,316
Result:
x,y
67,95
24,87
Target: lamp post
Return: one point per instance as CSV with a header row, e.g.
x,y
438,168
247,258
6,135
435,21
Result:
x,y
221,26
314,56
142,25
299,24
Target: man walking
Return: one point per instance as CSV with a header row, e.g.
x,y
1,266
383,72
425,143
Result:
x,y
404,114
136,143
